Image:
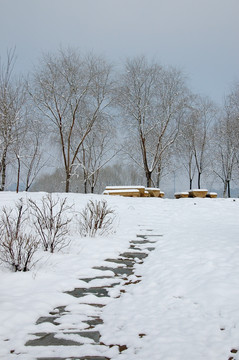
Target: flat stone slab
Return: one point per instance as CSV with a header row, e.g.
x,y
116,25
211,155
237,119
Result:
x,y
97,291
49,339
93,322
148,235
49,319
59,310
133,255
87,280
127,262
116,270
142,242
150,248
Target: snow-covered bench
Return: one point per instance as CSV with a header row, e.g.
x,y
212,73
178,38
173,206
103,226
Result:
x,y
211,195
180,195
153,192
198,193
133,191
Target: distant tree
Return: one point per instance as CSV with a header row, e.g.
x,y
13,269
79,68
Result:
x,y
233,100
226,145
206,114
151,99
27,149
50,181
185,144
72,92
97,151
12,114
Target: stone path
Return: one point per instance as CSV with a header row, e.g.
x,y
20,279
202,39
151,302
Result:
x,y
61,325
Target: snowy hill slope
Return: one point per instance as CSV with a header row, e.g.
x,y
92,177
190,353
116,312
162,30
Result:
x,y
186,305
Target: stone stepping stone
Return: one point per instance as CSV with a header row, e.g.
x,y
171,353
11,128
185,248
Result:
x,y
49,339
134,247
97,291
134,255
142,236
93,322
150,248
87,280
127,262
142,242
49,319
117,271
148,235
59,310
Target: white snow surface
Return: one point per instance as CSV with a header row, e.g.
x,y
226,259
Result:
x,y
186,306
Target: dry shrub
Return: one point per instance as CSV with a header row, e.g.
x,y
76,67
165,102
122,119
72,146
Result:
x,y
16,246
96,218
51,222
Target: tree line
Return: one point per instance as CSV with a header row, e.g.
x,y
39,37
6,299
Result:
x,y
92,120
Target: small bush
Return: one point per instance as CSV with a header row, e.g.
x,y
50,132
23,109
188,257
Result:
x,y
16,247
96,218
51,222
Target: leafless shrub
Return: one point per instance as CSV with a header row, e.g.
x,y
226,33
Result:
x,y
96,217
16,246
51,222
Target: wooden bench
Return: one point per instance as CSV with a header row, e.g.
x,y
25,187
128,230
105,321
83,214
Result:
x,y
180,195
133,191
198,193
153,192
211,195
123,192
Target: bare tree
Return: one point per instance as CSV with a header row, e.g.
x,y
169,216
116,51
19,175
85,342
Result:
x,y
71,92
233,104
152,100
206,114
96,152
226,145
12,113
185,145
28,150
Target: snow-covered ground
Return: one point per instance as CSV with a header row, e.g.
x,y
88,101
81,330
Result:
x,y
186,306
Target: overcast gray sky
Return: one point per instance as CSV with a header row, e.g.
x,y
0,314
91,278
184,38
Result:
x,y
199,36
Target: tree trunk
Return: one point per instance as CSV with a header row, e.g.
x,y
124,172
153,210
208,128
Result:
x,y
190,183
149,178
158,177
18,173
199,180
92,184
3,166
228,189
225,188
68,177
85,185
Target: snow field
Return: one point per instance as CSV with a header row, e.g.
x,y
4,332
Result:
x,y
186,305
